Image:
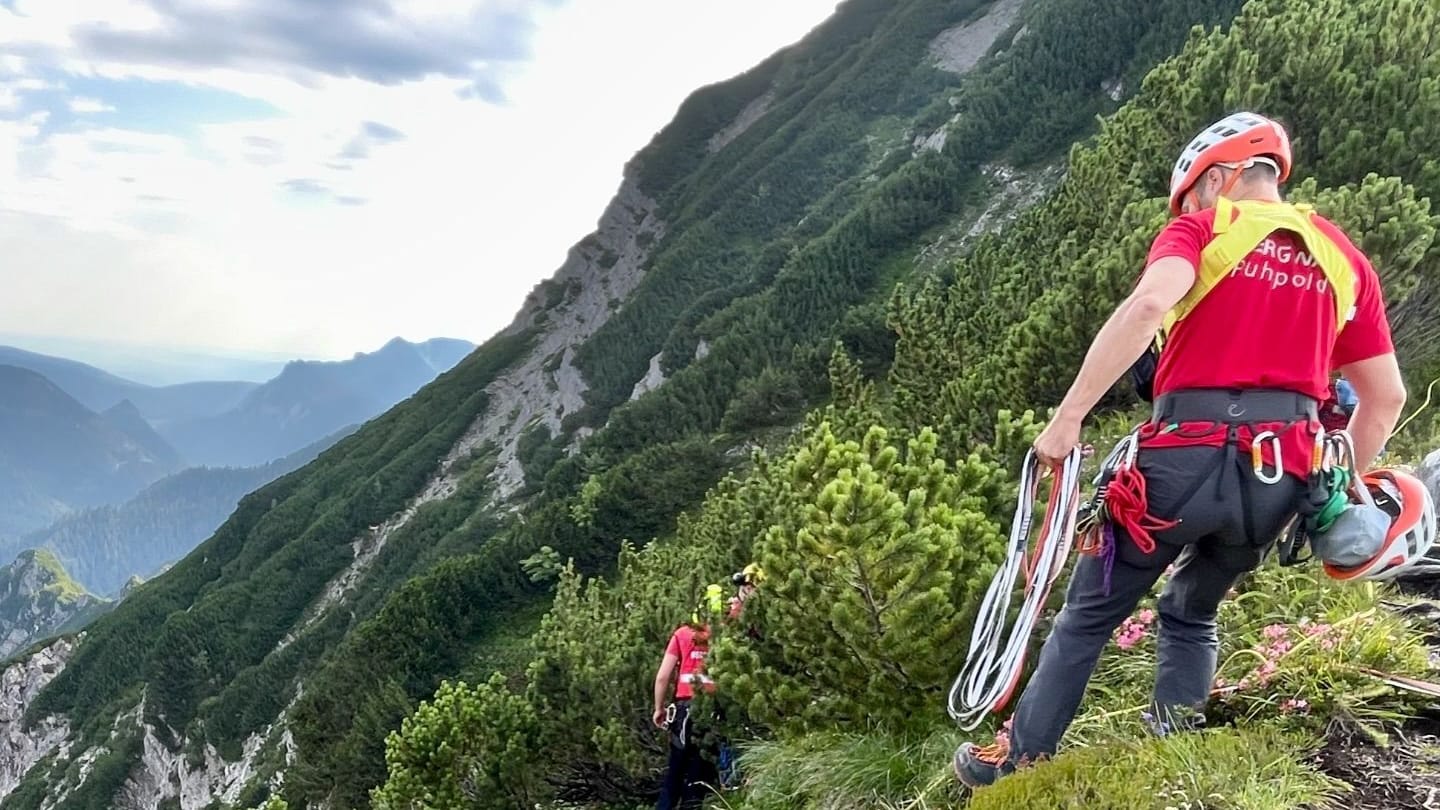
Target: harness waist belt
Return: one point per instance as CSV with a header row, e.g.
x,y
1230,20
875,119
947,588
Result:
x,y
1233,406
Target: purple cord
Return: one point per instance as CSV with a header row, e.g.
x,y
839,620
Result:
x,y
1107,551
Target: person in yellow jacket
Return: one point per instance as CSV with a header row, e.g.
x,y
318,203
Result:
x,y
1257,301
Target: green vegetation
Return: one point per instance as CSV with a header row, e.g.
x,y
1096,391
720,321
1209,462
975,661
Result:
x,y
789,253
205,627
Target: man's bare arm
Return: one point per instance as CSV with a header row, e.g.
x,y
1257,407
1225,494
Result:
x,y
662,683
1381,393
1125,335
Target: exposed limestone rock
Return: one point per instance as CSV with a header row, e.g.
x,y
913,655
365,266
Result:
x,y
934,142
38,598
753,112
20,682
1014,193
654,378
1011,193
1113,88
165,774
566,310
960,48
563,312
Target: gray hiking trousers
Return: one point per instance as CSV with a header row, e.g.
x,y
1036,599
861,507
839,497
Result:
x,y
1228,521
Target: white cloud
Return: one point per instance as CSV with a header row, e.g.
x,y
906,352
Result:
x,y
252,234
81,105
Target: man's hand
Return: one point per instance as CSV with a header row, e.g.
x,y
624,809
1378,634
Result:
x,y
658,718
1057,440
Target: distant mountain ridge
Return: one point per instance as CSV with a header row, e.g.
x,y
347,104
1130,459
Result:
x,y
75,437
311,399
100,390
245,424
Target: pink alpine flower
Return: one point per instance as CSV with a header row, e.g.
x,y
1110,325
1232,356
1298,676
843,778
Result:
x,y
1294,706
1134,629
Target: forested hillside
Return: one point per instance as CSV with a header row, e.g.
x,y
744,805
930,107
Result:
x,y
103,547
763,265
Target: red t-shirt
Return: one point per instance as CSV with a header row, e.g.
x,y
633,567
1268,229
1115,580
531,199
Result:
x,y
1269,323
692,662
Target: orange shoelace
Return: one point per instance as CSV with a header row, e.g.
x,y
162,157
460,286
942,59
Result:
x,y
997,752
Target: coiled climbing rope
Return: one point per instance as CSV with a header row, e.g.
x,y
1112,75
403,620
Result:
x,y
997,654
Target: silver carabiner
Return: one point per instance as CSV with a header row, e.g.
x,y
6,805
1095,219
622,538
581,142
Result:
x,y
1257,457
1340,449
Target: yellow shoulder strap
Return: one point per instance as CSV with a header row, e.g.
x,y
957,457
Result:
x,y
1235,240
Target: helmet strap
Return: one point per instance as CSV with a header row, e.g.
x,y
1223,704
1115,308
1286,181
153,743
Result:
x,y
1231,182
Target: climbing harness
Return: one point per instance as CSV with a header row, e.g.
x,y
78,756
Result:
x,y
992,668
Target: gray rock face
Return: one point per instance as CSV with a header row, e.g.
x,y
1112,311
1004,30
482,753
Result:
x,y
166,774
753,112
546,386
960,48
20,682
654,378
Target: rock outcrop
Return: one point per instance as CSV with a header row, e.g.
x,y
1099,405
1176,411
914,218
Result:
x,y
960,48
38,599
20,682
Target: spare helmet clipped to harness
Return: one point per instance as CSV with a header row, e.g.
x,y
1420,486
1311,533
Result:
x,y
1236,142
1407,540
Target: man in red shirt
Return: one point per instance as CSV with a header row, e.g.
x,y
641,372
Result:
x,y
686,771
1255,352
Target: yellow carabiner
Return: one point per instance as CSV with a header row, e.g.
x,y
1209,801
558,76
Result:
x,y
1257,457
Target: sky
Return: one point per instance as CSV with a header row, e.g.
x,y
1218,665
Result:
x,y
310,178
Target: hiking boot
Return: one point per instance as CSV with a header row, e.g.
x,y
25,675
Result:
x,y
977,766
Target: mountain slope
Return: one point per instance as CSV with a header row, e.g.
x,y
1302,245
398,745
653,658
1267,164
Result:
x,y
61,455
872,525
772,218
312,399
106,546
127,419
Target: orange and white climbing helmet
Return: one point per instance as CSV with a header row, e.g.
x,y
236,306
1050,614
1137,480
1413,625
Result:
x,y
1237,141
1406,500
